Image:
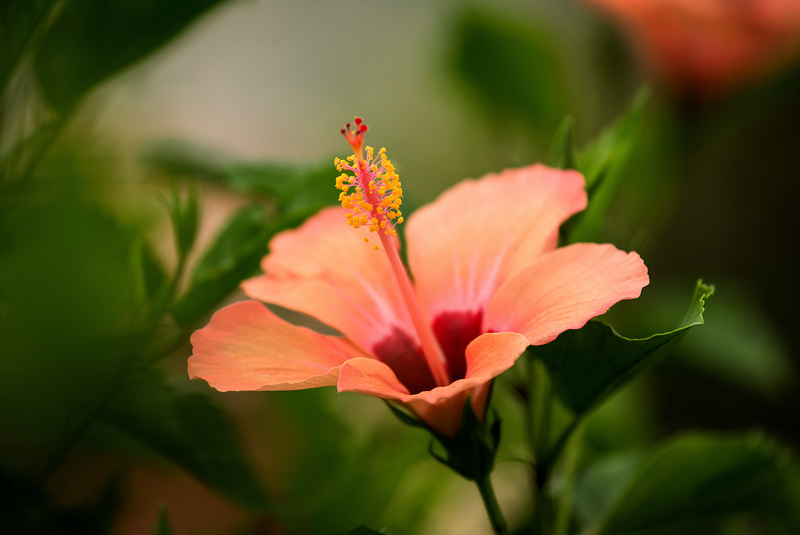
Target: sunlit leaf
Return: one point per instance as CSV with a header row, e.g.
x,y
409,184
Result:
x,y
588,365
189,430
91,40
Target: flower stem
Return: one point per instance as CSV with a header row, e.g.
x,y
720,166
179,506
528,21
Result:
x,y
492,507
546,465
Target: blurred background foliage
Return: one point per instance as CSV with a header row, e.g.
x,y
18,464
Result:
x,y
149,150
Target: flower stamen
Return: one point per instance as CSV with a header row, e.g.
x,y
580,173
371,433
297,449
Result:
x,y
370,190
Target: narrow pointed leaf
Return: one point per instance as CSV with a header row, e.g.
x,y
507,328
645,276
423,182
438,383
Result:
x,y
20,23
296,192
295,189
588,365
232,257
603,164
561,154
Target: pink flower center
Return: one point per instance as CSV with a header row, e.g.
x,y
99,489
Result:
x,y
454,331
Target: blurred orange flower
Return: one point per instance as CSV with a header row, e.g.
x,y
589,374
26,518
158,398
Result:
x,y
707,46
488,282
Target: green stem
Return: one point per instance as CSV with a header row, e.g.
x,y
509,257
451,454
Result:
x,y
29,43
564,499
542,512
552,456
544,410
492,507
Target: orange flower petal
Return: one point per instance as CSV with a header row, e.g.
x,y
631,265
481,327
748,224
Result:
x,y
478,233
247,347
324,269
564,289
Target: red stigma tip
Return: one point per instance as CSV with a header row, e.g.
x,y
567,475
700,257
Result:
x,y
355,137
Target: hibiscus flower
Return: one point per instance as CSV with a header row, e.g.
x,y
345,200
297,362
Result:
x,y
488,281
707,46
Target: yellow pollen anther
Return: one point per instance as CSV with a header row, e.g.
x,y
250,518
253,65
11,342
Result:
x,y
370,188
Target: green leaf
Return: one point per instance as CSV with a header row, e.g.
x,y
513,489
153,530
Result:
x,y
296,189
300,190
741,346
152,272
588,365
189,430
20,23
90,40
232,257
511,68
148,277
185,215
602,163
697,477
561,154
600,486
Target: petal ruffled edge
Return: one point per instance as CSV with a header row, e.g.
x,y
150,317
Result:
x,y
325,270
482,231
564,289
247,347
